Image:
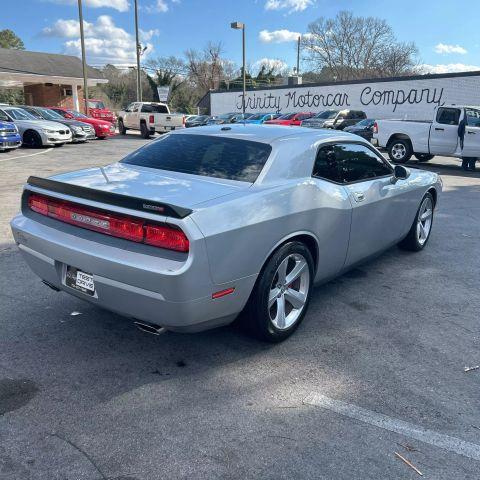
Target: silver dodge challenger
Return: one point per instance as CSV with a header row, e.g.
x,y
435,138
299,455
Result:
x,y
202,225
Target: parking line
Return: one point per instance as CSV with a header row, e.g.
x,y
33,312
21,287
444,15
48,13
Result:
x,y
29,155
452,444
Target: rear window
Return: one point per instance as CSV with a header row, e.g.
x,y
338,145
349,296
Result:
x,y
149,108
206,155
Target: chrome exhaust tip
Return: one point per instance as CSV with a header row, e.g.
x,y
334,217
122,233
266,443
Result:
x,y
149,328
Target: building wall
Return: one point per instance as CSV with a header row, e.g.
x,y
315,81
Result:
x,y
45,95
412,99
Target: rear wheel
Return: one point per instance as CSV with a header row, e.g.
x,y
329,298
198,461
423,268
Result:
x,y
102,138
423,157
121,127
32,139
281,295
144,131
419,233
400,150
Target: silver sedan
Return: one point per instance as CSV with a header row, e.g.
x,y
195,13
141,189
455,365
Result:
x,y
204,224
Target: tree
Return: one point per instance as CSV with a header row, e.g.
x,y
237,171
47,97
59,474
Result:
x,y
350,47
8,39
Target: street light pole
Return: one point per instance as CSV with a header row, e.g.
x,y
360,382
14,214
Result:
x,y
241,26
138,48
84,62
298,56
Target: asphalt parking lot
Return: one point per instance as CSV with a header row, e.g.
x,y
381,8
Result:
x,y
377,367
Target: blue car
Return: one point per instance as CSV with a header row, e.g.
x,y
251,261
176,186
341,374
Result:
x,y
9,136
260,118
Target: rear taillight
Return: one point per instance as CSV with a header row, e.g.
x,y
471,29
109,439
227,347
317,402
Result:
x,y
120,226
151,119
375,127
184,119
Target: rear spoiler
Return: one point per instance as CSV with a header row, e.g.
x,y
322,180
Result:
x,y
117,199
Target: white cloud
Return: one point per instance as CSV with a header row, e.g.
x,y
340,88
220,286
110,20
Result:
x,y
290,5
278,36
120,5
162,6
275,63
444,49
104,41
448,68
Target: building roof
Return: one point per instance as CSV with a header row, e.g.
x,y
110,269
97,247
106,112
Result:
x,y
47,64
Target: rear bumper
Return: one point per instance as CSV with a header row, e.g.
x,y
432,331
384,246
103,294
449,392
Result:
x,y
132,283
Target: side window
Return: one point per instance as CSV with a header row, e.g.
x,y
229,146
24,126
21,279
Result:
x,y
135,107
326,165
3,116
357,162
473,117
448,116
129,107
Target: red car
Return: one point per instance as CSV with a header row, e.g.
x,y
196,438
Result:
x,y
291,119
103,129
97,109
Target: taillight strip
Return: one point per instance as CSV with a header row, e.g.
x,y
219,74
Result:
x,y
121,226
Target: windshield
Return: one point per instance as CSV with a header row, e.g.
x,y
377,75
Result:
x,y
20,114
50,114
77,114
225,116
220,157
368,122
473,117
95,104
286,116
327,114
257,116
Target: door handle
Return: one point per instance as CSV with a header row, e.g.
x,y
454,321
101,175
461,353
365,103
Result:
x,y
358,196
439,129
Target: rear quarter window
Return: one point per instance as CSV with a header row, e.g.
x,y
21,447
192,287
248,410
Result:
x,y
219,157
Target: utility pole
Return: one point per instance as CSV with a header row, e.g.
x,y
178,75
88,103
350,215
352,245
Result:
x,y
138,51
298,56
84,62
241,26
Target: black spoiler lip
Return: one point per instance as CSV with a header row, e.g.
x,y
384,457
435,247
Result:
x,y
117,199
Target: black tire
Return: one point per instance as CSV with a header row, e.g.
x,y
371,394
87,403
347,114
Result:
x,y
400,150
257,315
102,138
32,139
423,157
144,131
411,242
121,127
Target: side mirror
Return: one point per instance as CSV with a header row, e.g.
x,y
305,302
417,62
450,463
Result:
x,y
400,173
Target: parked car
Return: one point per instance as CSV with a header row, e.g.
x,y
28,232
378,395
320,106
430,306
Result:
x,y
35,132
9,136
291,119
81,131
197,121
318,120
221,119
173,236
259,118
103,129
148,118
336,119
364,128
404,138
97,109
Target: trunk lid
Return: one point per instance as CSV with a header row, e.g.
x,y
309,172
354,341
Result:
x,y
159,186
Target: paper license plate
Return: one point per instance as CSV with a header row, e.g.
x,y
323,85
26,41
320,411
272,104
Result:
x,y
79,280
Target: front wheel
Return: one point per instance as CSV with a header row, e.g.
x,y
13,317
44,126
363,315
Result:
x,y
281,295
121,128
400,151
423,157
32,139
419,233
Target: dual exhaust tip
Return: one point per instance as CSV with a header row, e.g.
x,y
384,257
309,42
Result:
x,y
149,327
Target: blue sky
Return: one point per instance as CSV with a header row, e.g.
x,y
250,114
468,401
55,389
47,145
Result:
x,y
446,31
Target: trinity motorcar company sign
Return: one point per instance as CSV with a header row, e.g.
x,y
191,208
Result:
x,y
409,97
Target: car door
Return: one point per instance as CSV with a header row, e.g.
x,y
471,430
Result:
x,y
379,206
471,144
131,114
444,131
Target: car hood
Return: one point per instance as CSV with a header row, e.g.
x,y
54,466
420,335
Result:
x,y
158,185
69,121
47,124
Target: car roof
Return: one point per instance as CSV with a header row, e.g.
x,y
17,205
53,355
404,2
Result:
x,y
262,133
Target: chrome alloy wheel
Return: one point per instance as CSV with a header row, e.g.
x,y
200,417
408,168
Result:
x,y
289,291
424,222
399,151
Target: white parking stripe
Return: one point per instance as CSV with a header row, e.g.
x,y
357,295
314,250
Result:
x,y
23,156
452,444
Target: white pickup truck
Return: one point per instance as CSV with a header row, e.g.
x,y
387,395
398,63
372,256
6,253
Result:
x,y
149,117
442,136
